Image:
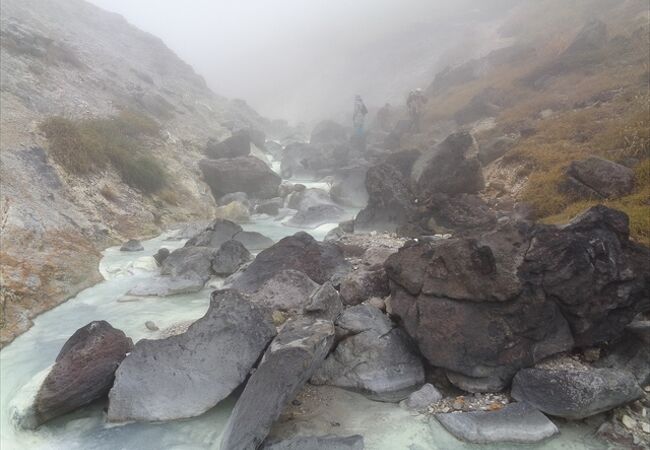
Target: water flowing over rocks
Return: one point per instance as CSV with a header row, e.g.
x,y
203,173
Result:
x,y
187,374
517,423
290,361
575,394
316,443
83,372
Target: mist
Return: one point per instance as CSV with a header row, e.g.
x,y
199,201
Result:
x,y
304,61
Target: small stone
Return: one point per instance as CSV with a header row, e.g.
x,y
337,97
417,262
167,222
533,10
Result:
x,y
628,422
592,354
151,326
645,427
278,318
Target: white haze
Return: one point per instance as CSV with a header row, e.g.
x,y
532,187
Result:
x,y
303,60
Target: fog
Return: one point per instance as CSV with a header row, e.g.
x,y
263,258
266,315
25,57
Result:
x,y
304,60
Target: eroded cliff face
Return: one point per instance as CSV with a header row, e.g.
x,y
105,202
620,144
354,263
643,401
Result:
x,y
70,58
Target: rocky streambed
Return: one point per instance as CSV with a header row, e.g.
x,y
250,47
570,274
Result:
x,y
318,410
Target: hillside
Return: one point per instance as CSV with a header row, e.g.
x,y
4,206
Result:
x,y
99,73
573,84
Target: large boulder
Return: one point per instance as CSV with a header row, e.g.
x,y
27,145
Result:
x,y
453,167
390,200
215,234
235,211
631,353
83,372
463,303
575,394
288,291
187,374
319,261
230,257
590,268
598,178
457,213
362,284
482,308
132,245
315,160
517,423
324,303
239,144
189,262
253,241
290,361
242,174
307,198
374,357
316,216
349,188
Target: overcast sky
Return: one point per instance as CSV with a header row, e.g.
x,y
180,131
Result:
x,y
296,59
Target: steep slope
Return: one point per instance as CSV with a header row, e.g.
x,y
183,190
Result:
x,y
574,84
69,58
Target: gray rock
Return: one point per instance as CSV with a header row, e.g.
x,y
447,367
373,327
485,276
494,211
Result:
x,y
189,230
575,394
239,144
349,189
151,325
354,442
218,232
168,285
289,362
288,291
242,174
189,262
187,374
517,423
83,372
324,303
373,358
230,257
493,383
495,148
598,178
132,245
161,255
270,207
304,199
422,398
362,284
315,216
319,261
253,241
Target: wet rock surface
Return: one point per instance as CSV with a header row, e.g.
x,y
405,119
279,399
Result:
x,y
230,257
575,394
187,374
516,423
289,362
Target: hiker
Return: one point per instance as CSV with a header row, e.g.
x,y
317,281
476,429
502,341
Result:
x,y
359,116
415,104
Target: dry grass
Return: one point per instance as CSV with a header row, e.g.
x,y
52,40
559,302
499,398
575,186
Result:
x,y
87,146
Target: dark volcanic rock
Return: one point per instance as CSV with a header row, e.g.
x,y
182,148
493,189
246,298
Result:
x,y
242,174
354,442
453,168
230,257
132,245
463,212
218,232
291,359
390,200
597,276
361,284
598,178
83,372
187,374
324,303
422,398
375,358
518,423
484,308
320,261
631,353
315,216
575,394
239,144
